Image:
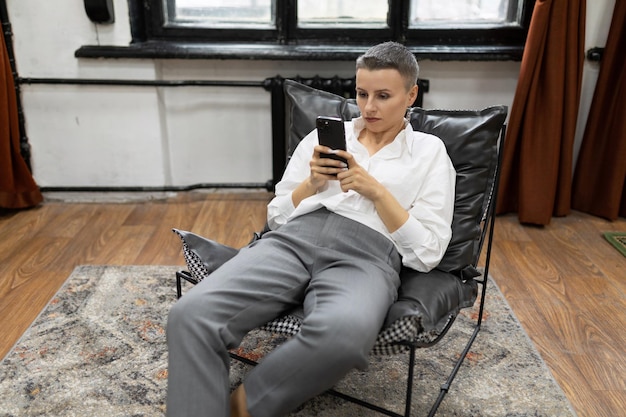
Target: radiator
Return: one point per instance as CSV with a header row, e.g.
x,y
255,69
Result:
x,y
344,87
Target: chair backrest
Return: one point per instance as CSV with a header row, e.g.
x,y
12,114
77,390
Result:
x,y
471,138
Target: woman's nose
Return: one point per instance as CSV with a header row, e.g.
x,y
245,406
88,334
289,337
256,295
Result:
x,y
369,106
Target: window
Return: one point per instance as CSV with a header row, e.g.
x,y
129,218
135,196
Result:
x,y
253,14
339,13
331,29
461,13
346,13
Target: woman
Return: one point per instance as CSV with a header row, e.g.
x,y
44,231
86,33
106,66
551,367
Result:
x,y
340,233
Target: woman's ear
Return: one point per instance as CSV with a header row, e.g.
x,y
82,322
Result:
x,y
412,95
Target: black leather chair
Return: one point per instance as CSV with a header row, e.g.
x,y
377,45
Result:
x,y
428,303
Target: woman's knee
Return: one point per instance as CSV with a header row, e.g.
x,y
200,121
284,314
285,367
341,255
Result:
x,y
206,317
348,336
188,315
179,317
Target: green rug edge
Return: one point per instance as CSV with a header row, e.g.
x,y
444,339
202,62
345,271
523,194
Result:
x,y
618,240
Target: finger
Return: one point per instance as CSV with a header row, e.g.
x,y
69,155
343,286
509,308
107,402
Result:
x,y
320,149
350,160
328,172
345,185
344,174
330,162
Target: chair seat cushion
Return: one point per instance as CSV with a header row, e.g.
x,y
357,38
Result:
x,y
426,301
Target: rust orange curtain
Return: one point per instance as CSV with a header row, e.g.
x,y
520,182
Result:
x,y
536,176
600,179
17,187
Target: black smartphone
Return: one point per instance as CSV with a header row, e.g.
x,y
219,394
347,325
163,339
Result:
x,y
331,133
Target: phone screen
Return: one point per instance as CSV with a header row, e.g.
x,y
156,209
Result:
x,y
331,133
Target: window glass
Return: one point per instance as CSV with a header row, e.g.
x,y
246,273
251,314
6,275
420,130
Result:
x,y
457,12
342,13
221,14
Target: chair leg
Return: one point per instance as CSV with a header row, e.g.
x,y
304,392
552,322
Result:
x,y
445,387
409,382
180,275
179,289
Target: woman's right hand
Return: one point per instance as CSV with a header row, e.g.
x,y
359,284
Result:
x,y
325,169
322,171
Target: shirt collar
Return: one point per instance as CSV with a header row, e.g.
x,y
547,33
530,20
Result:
x,y
393,150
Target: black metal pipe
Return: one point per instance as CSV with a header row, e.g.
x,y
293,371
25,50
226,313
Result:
x,y
274,85
141,83
268,185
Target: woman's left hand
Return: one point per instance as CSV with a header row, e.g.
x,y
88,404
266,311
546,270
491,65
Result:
x,y
356,178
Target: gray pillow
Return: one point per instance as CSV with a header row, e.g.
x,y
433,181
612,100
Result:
x,y
203,255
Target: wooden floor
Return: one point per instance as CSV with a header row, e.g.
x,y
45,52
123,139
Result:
x,y
565,283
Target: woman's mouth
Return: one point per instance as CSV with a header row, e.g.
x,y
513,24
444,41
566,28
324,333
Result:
x,y
371,119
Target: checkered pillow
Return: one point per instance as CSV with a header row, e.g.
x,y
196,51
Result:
x,y
288,325
203,255
196,267
391,340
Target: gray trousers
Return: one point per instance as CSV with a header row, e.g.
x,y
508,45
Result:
x,y
346,276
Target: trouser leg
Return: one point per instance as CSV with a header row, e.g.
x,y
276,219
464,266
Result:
x,y
345,306
213,317
355,280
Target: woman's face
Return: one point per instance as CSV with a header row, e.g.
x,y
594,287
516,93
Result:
x,y
383,99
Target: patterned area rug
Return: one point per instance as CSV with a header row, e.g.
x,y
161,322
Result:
x,y
98,349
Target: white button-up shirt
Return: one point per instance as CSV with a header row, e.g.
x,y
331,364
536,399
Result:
x,y
415,168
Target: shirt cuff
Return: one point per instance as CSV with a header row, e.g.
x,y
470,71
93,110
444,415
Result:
x,y
279,210
407,234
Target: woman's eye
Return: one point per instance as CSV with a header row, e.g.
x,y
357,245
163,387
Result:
x,y
384,96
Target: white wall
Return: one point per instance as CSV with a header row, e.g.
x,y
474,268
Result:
x,y
598,23
160,136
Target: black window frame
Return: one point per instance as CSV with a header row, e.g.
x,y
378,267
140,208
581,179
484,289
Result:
x,y
152,38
